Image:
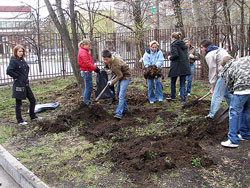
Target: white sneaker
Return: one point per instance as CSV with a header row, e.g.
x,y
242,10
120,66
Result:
x,y
160,100
179,93
23,123
151,102
229,144
188,94
37,119
241,138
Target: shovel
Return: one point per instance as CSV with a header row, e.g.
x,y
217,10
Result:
x,y
195,102
221,115
98,97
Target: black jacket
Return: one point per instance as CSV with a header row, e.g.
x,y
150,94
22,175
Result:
x,y
179,60
19,71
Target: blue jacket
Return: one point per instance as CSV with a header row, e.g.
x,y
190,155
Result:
x,y
153,58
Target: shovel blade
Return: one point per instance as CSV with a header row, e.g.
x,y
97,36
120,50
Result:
x,y
221,115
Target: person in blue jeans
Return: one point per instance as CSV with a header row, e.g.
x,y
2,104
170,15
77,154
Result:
x,y
237,77
86,65
193,55
122,78
179,65
214,56
154,56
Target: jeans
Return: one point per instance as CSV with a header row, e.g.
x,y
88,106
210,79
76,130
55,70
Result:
x,y
122,86
189,78
182,88
152,90
239,118
32,101
220,91
88,86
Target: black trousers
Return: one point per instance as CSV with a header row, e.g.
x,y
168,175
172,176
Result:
x,y
32,101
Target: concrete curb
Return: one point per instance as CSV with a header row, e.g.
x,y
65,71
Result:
x,y
18,172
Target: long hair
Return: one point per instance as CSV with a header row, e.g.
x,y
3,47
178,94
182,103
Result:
x,y
16,48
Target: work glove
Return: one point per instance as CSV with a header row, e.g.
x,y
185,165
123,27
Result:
x,y
97,70
191,56
109,83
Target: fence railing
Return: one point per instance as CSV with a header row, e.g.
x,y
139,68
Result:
x,y
50,59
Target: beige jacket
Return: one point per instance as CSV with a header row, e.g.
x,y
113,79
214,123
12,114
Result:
x,y
213,60
119,68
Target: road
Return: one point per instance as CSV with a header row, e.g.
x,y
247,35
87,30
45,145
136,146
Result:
x,y
6,181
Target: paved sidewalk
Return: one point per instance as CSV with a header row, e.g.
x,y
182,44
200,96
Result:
x,y
6,181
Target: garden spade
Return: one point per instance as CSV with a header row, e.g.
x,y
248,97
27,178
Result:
x,y
221,115
195,102
98,97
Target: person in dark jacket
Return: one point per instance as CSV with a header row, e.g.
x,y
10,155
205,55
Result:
x,y
18,69
179,65
87,66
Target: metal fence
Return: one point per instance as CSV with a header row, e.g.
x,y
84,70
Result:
x,y
54,60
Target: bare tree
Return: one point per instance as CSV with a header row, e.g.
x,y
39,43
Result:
x,y
57,14
229,31
178,16
196,7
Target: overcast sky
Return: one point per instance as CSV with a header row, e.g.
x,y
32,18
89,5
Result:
x,y
43,9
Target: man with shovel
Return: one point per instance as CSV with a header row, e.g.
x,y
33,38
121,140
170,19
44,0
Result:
x,y
213,57
122,78
237,77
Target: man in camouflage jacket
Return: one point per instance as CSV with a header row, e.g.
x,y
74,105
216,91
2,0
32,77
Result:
x,y
237,77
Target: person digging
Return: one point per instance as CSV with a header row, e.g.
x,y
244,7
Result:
x,y
123,77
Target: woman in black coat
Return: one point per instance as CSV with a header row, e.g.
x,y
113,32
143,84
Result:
x,y
18,69
179,65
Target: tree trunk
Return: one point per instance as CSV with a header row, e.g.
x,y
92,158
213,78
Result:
x,y
213,17
229,34
71,46
242,28
196,7
140,46
178,16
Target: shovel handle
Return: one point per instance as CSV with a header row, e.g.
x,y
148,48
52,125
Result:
x,y
204,96
97,98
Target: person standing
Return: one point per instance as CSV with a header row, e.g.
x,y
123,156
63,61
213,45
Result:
x,y
179,65
154,56
122,78
237,77
213,57
18,69
192,57
87,66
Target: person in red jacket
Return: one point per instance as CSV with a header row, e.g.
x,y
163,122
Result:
x,y
87,66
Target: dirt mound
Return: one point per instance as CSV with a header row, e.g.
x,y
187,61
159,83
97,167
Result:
x,y
83,113
136,97
156,154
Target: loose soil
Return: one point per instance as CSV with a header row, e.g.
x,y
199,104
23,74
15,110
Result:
x,y
175,146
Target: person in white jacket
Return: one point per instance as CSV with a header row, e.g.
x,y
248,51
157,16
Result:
x,y
214,56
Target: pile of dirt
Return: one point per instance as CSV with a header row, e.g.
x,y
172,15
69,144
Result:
x,y
136,97
152,72
83,113
156,154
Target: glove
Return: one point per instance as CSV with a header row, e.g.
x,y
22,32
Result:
x,y
169,57
191,56
97,70
109,83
